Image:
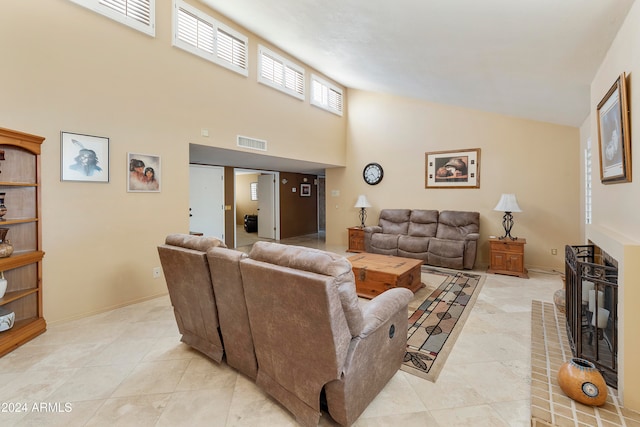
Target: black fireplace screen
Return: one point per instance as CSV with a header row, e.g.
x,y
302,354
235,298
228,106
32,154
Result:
x,y
592,309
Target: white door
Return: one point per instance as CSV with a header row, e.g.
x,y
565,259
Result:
x,y
266,207
206,200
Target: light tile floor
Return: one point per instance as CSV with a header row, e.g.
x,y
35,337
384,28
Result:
x,y
127,367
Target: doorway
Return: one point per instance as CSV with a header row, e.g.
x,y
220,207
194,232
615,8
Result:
x,y
265,205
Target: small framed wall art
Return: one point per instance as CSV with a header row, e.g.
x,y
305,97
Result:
x,y
453,169
144,173
84,157
613,134
305,190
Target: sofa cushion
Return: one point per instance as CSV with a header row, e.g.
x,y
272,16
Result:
x,y
385,241
228,288
423,223
446,253
395,221
456,225
413,244
321,262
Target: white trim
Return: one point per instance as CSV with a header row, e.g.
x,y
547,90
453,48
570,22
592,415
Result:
x,y
206,38
102,7
279,73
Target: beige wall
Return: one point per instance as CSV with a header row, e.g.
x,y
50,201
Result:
x,y
537,161
615,206
244,204
65,68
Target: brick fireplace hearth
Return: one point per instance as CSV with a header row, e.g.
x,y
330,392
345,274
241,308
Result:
x,y
549,405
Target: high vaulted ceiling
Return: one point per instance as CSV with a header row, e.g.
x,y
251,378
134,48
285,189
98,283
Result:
x,y
533,59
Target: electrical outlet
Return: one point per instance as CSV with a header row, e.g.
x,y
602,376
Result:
x,y
156,272
554,252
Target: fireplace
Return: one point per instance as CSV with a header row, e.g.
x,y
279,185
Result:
x,y
592,308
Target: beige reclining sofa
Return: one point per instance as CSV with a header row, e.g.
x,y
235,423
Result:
x,y
310,333
442,239
289,318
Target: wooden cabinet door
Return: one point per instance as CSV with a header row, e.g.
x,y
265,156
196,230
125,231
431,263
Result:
x,y
514,263
498,260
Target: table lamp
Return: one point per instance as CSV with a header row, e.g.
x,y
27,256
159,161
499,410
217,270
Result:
x,y
362,203
507,204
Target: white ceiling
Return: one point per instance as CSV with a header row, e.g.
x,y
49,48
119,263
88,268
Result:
x,y
526,58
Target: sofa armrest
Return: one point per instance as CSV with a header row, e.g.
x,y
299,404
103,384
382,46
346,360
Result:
x,y
368,232
381,308
472,236
372,359
373,229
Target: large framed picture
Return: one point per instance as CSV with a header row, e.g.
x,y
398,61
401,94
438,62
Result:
x,y
84,157
613,134
144,173
453,169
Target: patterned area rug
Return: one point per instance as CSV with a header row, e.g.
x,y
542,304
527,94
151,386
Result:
x,y
441,308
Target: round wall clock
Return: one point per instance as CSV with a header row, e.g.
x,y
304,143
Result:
x,y
372,173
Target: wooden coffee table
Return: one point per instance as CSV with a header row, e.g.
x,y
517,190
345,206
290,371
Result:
x,y
377,273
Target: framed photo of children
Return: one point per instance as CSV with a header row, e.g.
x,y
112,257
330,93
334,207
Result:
x,y
84,157
453,169
613,135
144,173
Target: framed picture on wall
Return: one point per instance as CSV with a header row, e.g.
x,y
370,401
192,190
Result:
x,y
305,190
144,173
613,134
84,157
453,169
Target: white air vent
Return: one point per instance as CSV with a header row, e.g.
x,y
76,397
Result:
x,y
254,144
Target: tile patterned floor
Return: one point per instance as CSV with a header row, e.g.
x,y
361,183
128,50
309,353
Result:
x,y
127,367
549,405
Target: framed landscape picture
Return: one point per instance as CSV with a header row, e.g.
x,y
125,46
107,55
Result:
x,y
613,135
143,173
453,169
84,157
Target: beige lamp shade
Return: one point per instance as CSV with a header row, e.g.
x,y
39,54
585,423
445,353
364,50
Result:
x,y
362,202
508,203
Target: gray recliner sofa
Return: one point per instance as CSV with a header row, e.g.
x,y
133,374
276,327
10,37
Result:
x,y
442,239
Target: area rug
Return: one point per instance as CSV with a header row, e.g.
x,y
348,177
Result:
x,y
438,319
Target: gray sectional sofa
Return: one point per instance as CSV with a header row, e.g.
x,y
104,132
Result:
x,y
442,239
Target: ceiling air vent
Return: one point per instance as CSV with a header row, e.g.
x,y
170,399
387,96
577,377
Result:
x,y
254,144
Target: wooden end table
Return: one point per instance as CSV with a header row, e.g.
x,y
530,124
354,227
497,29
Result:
x,y
356,239
506,256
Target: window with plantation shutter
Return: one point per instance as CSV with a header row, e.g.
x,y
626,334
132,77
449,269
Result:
x,y
137,14
201,35
280,73
232,49
325,95
587,184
